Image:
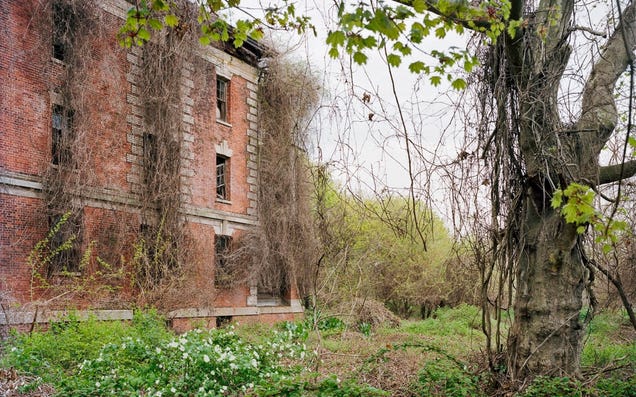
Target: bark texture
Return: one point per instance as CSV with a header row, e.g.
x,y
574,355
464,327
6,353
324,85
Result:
x,y
546,337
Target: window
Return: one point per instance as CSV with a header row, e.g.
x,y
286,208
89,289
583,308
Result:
x,y
65,242
222,178
61,123
62,25
150,156
222,249
149,235
222,86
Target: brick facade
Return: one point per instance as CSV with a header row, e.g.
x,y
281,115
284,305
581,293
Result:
x,y
108,186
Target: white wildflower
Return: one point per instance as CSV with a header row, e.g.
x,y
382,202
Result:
x,y
206,358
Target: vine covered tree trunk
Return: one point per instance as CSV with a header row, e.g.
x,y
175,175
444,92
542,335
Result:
x,y
551,277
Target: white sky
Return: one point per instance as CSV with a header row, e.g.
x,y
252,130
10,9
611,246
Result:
x,y
369,155
365,154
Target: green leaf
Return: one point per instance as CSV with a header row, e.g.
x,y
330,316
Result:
x,y
204,40
418,32
459,84
417,67
143,34
360,58
257,34
580,229
419,6
155,24
557,198
336,38
394,60
440,32
159,5
333,52
436,80
171,20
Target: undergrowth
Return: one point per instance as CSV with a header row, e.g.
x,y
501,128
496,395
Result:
x,y
93,358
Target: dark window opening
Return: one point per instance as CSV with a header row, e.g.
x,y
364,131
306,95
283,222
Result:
x,y
222,249
65,242
222,321
273,290
222,178
150,156
62,135
62,27
222,86
148,234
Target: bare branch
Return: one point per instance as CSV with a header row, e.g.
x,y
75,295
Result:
x,y
612,173
587,30
599,107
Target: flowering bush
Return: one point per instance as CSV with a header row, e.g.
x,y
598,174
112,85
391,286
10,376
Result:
x,y
197,363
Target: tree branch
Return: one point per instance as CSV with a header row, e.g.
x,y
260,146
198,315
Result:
x,y
598,111
612,173
469,17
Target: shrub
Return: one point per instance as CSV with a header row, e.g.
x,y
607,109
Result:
x,y
544,386
56,353
445,378
613,387
329,387
462,320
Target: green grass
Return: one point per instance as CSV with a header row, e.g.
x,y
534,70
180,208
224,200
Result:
x,y
610,339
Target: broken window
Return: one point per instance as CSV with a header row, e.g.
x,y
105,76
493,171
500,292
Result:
x,y
150,156
65,242
222,249
62,27
222,178
222,86
62,135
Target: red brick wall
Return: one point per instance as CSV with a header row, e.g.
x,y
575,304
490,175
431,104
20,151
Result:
x,y
22,225
210,133
24,102
28,75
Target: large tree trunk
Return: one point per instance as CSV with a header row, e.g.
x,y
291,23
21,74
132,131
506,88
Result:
x,y
546,337
551,278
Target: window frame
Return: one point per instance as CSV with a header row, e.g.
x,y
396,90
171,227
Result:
x,y
62,20
222,99
61,135
222,246
66,261
150,156
222,173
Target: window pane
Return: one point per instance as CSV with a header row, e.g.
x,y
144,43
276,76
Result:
x,y
221,180
221,98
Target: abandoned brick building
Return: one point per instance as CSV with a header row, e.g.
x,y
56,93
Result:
x,y
121,165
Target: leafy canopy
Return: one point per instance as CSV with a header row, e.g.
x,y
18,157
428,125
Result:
x,y
396,29
148,16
